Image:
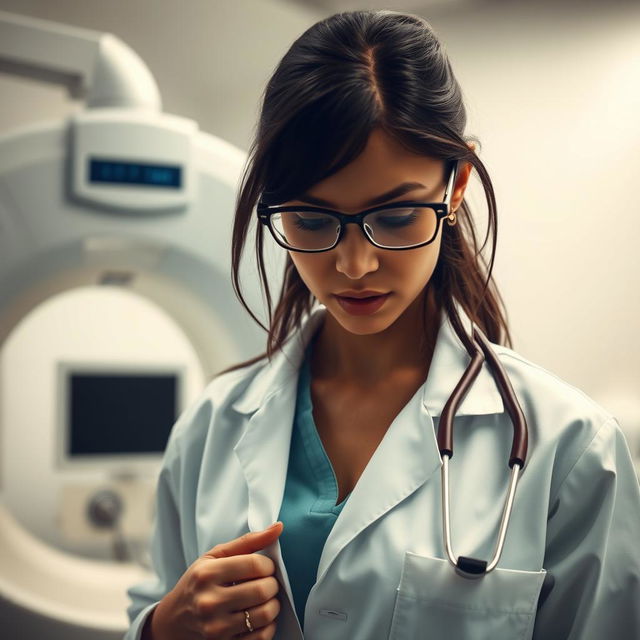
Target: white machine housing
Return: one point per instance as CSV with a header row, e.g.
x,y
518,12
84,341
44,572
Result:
x,y
119,194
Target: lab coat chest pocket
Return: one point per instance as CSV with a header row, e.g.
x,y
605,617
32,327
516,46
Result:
x,y
433,601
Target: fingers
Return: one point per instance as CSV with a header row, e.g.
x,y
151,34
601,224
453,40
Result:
x,y
262,619
247,543
265,633
224,571
251,593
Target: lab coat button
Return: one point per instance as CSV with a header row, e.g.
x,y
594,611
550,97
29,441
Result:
x,y
333,614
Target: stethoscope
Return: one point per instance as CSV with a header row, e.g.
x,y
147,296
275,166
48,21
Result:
x,y
465,566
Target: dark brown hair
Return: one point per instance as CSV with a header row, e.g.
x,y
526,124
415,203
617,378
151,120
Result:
x,y
344,76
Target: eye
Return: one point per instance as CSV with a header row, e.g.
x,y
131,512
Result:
x,y
399,218
310,222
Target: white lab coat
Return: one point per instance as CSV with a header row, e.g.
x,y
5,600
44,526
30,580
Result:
x,y
382,574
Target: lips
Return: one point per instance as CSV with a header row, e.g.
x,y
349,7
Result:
x,y
359,295
365,305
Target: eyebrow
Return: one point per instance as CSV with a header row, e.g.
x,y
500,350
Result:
x,y
396,192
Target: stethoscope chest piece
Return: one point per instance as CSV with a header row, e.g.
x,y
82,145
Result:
x,y
470,567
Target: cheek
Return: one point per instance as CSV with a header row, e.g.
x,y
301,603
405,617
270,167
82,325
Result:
x,y
311,268
415,270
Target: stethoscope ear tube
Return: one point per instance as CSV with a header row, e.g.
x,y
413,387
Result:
x,y
445,429
520,431
466,566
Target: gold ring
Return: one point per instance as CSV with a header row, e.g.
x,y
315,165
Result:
x,y
247,621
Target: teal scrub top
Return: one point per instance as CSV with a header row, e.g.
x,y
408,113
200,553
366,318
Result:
x,y
309,508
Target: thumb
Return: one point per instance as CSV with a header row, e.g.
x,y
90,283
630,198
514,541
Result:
x,y
247,543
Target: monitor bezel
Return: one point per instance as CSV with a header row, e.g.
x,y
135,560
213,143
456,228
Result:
x,y
124,463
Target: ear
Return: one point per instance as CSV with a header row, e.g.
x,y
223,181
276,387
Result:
x,y
462,178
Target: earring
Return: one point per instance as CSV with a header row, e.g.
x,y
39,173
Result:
x,y
452,219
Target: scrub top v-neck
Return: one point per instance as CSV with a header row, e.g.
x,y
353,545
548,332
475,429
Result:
x,y
309,508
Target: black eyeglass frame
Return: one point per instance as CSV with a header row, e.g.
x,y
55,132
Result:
x,y
441,209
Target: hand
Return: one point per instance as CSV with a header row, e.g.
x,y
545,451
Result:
x,y
205,604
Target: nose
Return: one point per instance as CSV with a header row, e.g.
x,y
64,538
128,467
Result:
x,y
355,255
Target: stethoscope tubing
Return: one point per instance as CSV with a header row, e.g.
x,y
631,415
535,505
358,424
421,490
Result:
x,y
466,566
472,567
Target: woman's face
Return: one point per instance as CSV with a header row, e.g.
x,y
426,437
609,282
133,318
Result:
x,y
355,264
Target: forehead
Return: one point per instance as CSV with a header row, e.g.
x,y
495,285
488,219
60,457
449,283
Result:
x,y
383,171
395,192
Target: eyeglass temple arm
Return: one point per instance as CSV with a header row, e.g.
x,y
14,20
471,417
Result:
x,y
450,184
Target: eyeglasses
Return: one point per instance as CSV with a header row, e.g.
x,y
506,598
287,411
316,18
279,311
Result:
x,y
398,226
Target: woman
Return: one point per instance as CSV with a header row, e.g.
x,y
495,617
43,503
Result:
x,y
332,432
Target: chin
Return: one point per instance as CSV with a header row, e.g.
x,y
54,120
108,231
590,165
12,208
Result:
x,y
362,325
359,328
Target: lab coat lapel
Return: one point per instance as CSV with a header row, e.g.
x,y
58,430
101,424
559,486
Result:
x,y
263,449
408,454
405,459
263,453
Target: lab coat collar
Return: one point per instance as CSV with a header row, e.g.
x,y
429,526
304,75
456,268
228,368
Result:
x,y
449,360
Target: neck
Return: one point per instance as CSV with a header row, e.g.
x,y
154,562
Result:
x,y
366,360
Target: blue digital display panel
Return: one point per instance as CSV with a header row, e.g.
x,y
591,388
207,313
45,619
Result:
x,y
151,175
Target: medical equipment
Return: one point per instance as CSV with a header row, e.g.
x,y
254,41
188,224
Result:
x,y
116,415
116,194
466,566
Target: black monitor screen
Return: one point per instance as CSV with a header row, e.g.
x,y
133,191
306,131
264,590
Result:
x,y
111,414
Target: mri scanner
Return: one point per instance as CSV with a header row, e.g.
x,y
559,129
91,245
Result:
x,y
119,193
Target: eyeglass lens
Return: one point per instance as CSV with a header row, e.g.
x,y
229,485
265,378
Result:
x,y
313,231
